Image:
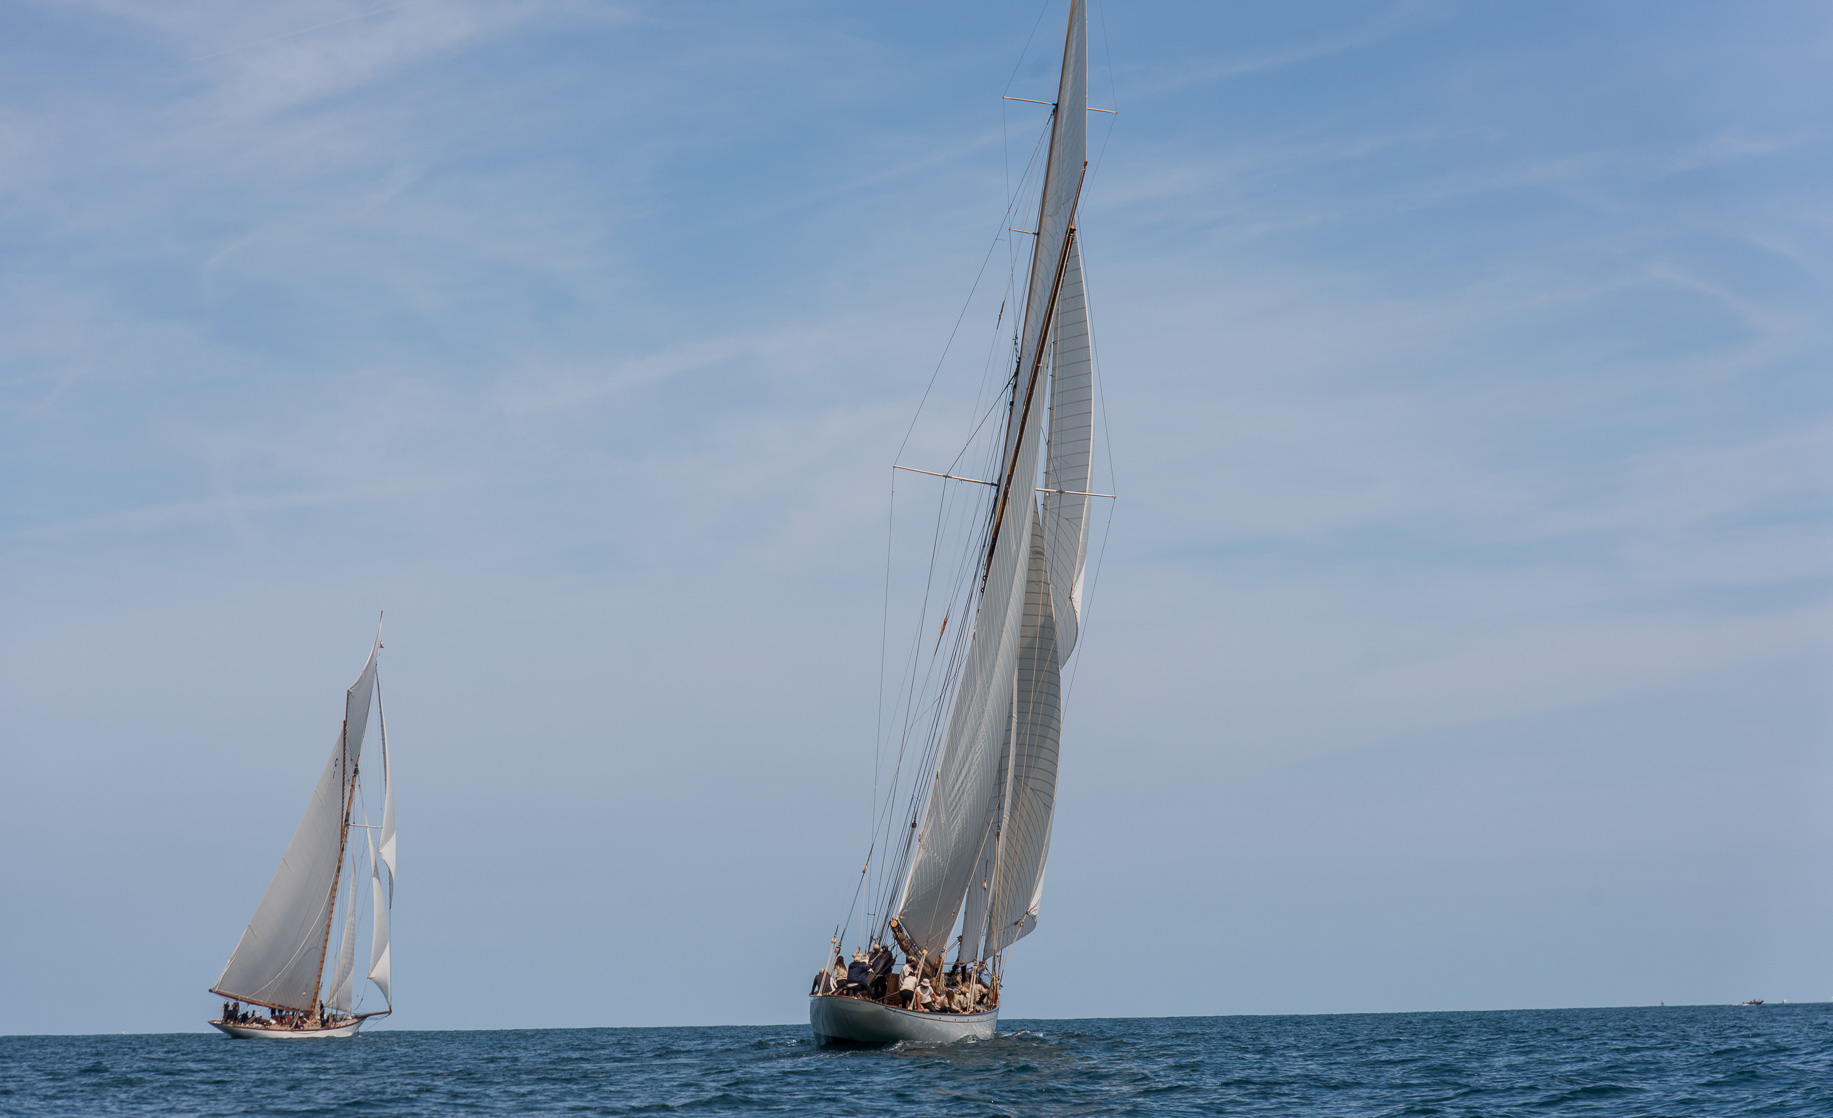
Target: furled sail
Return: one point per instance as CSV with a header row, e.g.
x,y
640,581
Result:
x,y
378,944
281,955
1002,664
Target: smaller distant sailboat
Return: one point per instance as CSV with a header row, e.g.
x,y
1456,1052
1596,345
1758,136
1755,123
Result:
x,y
279,965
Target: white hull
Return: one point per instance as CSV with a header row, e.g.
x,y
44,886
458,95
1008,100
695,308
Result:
x,y
247,1031
842,1020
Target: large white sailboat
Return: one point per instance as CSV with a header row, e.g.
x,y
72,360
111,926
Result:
x,y
279,965
964,859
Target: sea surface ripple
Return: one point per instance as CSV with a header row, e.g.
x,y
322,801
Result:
x,y
1775,1061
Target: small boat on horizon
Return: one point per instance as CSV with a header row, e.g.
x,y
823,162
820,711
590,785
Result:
x,y
279,963
963,828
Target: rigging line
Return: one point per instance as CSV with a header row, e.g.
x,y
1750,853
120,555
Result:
x,y
933,737
909,691
923,620
847,926
1113,94
1022,418
884,640
966,592
925,775
956,581
894,871
959,318
878,729
965,304
929,709
1014,196
984,416
1107,48
1039,22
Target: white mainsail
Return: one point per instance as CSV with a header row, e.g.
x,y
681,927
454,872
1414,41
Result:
x,y
280,958
1005,725
1030,796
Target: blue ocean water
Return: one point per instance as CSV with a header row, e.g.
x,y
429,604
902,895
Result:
x,y
1719,1061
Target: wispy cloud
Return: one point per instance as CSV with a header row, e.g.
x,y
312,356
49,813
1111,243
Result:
x,y
225,507
1396,19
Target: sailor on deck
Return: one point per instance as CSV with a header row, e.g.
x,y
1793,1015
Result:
x,y
858,973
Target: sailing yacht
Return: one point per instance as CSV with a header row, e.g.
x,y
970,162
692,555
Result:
x,y
279,965
966,854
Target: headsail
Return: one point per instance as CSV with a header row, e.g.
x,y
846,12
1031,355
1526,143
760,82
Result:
x,y
280,958
343,979
1072,442
1030,799
378,944
1012,656
388,798
1052,624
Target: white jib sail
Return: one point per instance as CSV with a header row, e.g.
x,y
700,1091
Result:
x,y
281,955
1012,857
378,944
1072,440
1051,629
980,884
965,793
388,798
1030,801
343,979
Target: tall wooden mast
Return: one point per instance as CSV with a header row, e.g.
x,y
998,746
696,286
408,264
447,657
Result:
x,y
343,839
1037,365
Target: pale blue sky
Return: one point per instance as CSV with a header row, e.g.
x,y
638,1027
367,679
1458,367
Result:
x,y
1462,639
